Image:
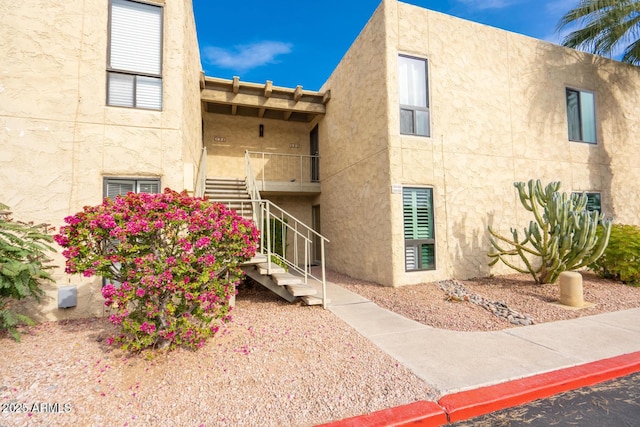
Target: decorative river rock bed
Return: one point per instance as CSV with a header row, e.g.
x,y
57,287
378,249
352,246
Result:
x,y
456,291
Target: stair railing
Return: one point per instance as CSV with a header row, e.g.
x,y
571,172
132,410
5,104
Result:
x,y
201,177
302,236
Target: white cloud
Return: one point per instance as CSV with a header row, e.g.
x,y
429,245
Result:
x,y
246,57
488,4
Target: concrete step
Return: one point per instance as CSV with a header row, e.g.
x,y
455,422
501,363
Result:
x,y
226,193
282,279
311,300
266,281
225,180
257,259
263,267
301,290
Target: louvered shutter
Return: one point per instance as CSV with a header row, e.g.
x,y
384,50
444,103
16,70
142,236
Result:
x,y
593,202
418,228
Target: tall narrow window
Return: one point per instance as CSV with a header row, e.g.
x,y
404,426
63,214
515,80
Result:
x,y
414,96
419,242
134,75
581,116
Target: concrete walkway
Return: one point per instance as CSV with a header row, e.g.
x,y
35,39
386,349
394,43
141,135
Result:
x,y
453,361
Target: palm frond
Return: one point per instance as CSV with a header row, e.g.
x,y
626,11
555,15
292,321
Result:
x,y
604,27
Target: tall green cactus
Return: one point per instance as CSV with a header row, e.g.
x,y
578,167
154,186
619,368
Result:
x,y
562,237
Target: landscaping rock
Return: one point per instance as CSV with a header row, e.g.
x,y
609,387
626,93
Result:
x,y
457,292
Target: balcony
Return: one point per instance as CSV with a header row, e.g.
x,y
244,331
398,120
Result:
x,y
285,173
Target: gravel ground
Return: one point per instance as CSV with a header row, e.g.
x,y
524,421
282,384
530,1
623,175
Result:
x,y
426,303
277,364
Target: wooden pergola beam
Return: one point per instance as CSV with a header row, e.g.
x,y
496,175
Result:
x,y
236,84
298,93
268,88
246,100
234,110
287,115
261,112
326,97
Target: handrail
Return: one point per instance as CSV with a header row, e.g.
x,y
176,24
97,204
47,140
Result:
x,y
252,186
269,210
300,232
201,177
297,169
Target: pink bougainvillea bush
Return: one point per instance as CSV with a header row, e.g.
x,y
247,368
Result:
x,y
172,262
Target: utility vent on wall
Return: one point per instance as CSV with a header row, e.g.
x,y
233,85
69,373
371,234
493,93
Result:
x,y
67,296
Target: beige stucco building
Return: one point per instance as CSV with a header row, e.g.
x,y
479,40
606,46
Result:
x,y
402,159
62,140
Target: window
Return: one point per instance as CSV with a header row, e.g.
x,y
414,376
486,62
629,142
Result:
x,y
593,201
120,186
581,116
414,96
117,186
134,75
419,240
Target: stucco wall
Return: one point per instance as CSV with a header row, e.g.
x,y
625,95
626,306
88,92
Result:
x,y
59,138
186,55
241,133
497,103
355,201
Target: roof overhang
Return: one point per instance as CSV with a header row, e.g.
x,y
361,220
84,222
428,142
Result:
x,y
222,96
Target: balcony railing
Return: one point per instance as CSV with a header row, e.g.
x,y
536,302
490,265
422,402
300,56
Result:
x,y
285,172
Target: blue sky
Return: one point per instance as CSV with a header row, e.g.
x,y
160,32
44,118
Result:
x,y
300,42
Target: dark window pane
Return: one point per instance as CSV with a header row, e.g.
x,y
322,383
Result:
x,y
406,122
573,115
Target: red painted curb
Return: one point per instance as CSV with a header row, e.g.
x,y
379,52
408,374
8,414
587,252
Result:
x,y
484,400
481,401
422,413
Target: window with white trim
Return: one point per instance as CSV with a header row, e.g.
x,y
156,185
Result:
x,y
419,241
134,74
120,186
414,96
581,116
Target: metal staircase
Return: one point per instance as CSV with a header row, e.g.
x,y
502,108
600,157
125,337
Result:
x,y
287,273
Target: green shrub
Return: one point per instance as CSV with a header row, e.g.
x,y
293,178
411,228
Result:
x,y
621,259
23,259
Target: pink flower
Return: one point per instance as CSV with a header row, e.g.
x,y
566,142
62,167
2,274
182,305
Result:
x,y
202,242
149,328
108,290
140,292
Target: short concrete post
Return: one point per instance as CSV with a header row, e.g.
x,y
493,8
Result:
x,y
571,293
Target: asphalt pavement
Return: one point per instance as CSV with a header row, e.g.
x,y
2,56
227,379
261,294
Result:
x,y
614,403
